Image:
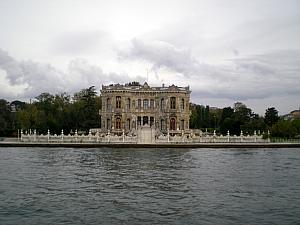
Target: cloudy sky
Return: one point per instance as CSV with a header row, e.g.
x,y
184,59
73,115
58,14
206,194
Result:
x,y
226,51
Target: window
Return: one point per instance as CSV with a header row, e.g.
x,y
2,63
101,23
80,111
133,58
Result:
x,y
128,103
182,104
162,104
172,124
118,123
151,103
128,124
139,121
108,104
139,103
173,103
108,124
182,124
162,124
151,121
145,103
118,102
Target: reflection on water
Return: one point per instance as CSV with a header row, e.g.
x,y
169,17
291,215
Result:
x,y
149,186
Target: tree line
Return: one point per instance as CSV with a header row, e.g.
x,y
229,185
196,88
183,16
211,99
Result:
x,y
241,118
53,112
81,112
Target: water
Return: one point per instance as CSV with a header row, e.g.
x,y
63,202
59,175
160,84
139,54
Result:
x,y
149,186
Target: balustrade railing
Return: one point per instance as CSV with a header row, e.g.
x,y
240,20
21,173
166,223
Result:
x,y
134,138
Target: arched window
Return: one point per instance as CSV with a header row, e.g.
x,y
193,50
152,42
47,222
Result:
x,y
108,104
108,124
118,102
151,121
128,124
151,103
182,104
162,124
182,124
173,103
118,123
162,104
172,124
139,121
128,103
145,104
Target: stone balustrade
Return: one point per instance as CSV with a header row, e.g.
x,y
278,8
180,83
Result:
x,y
167,138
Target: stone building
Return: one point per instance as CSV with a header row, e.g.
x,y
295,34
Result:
x,y
130,106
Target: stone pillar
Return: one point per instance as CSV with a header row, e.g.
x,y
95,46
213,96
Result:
x,y
90,135
76,135
168,134
214,137
228,136
21,135
123,135
241,136
62,135
34,135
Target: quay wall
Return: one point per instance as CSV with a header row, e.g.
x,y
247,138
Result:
x,y
155,145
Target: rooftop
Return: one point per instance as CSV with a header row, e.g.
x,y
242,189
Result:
x,y
135,86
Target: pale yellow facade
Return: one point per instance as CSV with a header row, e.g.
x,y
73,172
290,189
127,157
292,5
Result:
x,y
128,107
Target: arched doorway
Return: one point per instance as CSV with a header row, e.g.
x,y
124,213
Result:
x,y
172,124
145,120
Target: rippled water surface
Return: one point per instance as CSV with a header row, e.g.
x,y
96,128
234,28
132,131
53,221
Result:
x,y
149,186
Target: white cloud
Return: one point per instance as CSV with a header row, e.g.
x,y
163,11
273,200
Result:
x,y
256,76
81,42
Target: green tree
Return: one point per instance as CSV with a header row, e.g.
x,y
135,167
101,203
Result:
x,y
241,116
87,108
226,121
283,129
5,117
200,116
271,116
256,123
296,125
227,125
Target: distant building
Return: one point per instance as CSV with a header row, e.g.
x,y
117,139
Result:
x,y
295,114
130,106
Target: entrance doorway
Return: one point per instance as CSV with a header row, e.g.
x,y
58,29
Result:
x,y
145,120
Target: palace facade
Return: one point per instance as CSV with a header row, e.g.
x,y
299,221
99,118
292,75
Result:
x,y
130,106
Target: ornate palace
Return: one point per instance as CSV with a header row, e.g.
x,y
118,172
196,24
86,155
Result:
x,y
131,106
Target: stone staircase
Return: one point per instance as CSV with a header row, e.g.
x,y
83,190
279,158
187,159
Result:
x,y
146,135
